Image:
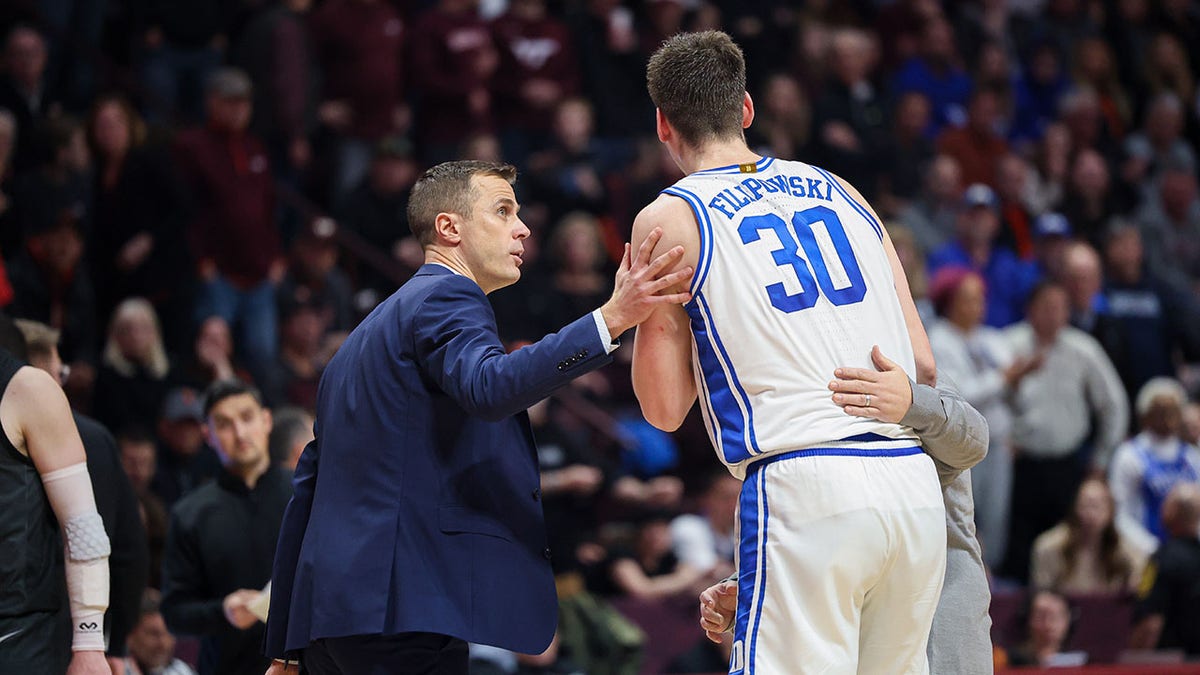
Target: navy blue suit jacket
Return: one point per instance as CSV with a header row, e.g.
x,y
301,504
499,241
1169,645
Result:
x,y
418,507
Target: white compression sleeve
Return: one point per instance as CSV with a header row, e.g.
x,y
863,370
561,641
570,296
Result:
x,y
87,548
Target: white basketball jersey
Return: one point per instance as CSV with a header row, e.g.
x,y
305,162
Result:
x,y
792,281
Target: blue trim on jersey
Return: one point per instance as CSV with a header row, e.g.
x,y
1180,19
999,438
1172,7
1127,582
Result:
x,y
762,585
831,452
872,437
713,421
729,419
712,328
862,211
761,164
704,225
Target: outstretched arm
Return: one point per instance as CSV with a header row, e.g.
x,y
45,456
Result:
x,y
662,349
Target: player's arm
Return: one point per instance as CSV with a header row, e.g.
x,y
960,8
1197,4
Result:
x,y
52,441
662,347
922,351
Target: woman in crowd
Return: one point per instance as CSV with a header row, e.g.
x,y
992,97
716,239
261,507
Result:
x,y
135,372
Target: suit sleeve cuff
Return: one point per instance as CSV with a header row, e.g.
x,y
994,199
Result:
x,y
926,409
610,345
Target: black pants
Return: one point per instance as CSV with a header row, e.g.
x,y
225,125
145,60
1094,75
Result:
x,y
399,654
1042,493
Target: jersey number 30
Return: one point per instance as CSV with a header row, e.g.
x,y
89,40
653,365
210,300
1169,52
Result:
x,y
802,225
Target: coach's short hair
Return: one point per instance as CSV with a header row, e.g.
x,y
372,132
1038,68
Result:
x,y
698,81
447,188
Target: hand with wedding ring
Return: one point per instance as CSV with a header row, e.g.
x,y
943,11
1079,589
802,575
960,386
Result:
x,y
884,394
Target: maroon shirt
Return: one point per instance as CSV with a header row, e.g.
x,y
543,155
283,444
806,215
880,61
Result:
x,y
531,50
360,46
233,197
446,50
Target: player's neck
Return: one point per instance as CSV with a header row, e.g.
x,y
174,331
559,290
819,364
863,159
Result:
x,y
716,154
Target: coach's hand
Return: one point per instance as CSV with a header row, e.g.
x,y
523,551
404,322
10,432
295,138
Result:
x,y
885,395
718,607
641,285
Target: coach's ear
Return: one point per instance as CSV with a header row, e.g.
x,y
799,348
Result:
x,y
747,111
662,126
447,229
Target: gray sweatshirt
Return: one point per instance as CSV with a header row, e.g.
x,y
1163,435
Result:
x,y
955,435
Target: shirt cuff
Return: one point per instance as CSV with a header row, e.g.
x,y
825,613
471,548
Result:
x,y
610,345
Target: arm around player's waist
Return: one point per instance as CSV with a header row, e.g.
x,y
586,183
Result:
x,y
953,432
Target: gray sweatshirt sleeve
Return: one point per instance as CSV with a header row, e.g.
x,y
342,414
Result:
x,y
954,433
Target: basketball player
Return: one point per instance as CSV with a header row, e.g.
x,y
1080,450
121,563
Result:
x,y
842,535
45,490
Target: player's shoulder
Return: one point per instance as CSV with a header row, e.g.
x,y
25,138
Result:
x,y
669,212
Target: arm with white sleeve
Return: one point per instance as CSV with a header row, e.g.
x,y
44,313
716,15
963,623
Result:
x,y
52,441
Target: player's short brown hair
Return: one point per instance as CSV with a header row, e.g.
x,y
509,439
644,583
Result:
x,y
698,81
447,188
40,340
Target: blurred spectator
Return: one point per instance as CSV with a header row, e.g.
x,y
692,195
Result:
x,y
1093,65
538,70
1129,28
937,72
1008,278
568,176
1052,157
61,178
1167,614
1168,69
1084,280
212,356
912,259
978,359
453,59
1091,197
576,252
23,90
706,540
648,568
184,461
313,269
360,46
1154,321
1049,619
977,144
233,233
10,231
1051,239
782,120
1080,112
291,431
221,541
151,645
1086,554
1147,466
275,50
183,44
1038,94
605,33
51,285
906,149
138,457
1069,413
932,216
304,317
849,124
136,247
1191,423
1157,145
481,146
1170,224
115,500
1014,185
135,372
377,211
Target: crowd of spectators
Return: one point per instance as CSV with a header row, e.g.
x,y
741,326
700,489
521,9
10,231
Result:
x,y
196,193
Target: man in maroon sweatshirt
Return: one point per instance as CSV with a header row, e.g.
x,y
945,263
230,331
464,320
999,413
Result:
x,y
538,70
453,58
233,233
